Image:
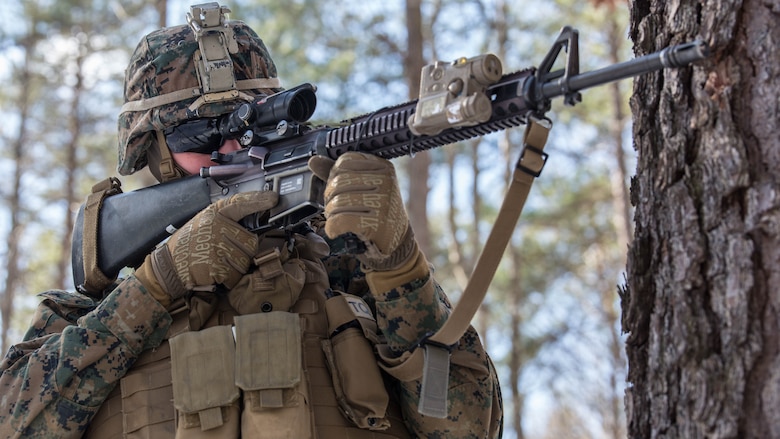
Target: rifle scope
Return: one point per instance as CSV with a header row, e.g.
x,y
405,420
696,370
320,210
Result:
x,y
294,105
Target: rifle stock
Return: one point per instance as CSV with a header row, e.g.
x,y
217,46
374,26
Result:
x,y
131,224
275,156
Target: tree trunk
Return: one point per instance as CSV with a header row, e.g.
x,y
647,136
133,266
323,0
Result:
x,y
16,226
620,196
418,166
162,12
613,411
703,294
71,167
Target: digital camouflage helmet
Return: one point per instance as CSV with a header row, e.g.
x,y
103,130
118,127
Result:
x,y
205,68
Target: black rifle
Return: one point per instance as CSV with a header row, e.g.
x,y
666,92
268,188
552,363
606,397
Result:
x,y
460,100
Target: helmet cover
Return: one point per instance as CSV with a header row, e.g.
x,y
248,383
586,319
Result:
x,y
163,88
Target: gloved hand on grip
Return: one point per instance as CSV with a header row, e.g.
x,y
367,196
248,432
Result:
x,y
362,197
212,248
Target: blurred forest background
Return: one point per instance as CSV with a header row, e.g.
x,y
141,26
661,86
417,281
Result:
x,y
550,320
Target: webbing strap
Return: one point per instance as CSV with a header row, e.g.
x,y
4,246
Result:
x,y
168,168
433,396
188,93
95,280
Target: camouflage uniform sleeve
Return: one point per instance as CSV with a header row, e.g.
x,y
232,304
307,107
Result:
x,y
407,313
53,384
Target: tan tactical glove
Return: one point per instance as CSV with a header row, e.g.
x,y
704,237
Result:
x,y
362,197
212,248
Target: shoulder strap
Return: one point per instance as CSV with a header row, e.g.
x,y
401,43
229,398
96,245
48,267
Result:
x,y
529,167
434,357
95,280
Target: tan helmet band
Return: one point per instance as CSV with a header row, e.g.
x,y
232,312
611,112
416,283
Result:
x,y
180,95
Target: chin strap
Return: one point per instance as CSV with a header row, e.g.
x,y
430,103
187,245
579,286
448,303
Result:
x,y
168,169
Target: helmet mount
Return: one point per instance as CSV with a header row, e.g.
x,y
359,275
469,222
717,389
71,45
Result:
x,y
216,42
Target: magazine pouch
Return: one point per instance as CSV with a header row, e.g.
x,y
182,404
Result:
x,y
204,392
269,371
349,350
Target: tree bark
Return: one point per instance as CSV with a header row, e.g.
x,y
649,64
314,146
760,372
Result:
x,y
703,293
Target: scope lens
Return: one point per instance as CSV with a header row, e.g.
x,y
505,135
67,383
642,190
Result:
x,y
199,135
300,108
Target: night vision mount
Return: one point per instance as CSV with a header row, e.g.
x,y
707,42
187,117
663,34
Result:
x,y
216,42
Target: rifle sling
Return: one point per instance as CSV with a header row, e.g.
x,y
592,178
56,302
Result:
x,y
95,281
434,357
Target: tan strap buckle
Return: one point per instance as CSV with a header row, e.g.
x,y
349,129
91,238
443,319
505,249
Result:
x,y
95,281
269,264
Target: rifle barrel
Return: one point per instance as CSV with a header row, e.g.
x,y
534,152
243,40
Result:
x,y
673,56
386,132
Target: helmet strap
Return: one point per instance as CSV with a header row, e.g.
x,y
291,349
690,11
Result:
x,y
161,162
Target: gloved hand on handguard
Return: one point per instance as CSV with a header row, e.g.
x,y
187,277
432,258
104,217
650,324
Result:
x,y
362,197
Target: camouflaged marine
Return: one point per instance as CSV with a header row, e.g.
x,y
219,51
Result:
x,y
223,333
